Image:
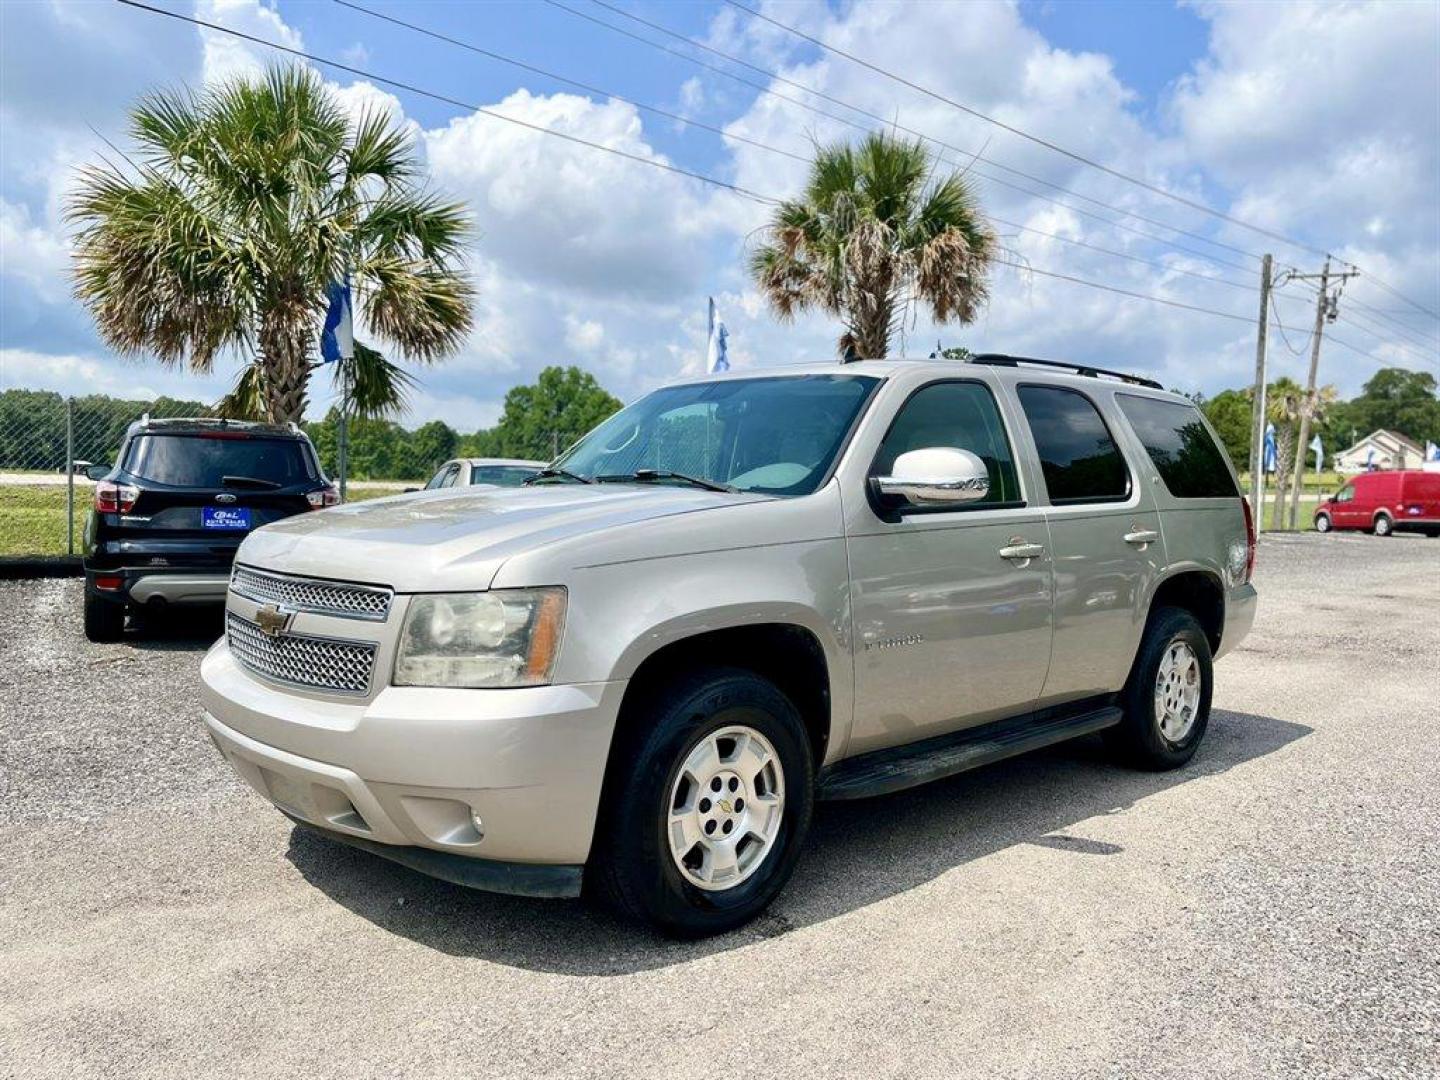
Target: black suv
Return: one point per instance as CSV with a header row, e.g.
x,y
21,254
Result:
x,y
170,513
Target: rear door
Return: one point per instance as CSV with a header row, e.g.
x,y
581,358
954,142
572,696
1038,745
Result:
x,y
202,493
1105,540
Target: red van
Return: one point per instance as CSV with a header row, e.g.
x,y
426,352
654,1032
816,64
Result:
x,y
1382,502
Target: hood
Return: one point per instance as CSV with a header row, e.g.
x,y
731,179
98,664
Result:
x,y
454,540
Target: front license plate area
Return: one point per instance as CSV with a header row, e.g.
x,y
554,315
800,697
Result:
x,y
225,517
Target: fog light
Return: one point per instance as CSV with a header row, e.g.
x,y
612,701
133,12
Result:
x,y
479,825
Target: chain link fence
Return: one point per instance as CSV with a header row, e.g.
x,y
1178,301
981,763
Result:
x,y
48,440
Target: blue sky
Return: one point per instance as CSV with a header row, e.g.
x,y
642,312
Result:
x,y
1317,121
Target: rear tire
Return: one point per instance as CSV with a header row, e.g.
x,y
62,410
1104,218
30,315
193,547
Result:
x,y
1167,697
660,775
1322,523
104,620
1384,526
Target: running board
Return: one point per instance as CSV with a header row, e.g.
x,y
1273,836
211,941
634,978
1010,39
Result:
x,y
897,768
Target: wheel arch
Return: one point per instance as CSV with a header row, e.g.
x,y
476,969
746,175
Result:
x,y
1198,591
786,652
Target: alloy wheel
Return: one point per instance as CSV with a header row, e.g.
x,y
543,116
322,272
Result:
x,y
726,807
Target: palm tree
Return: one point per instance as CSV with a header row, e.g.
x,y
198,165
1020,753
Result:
x,y
873,233
242,205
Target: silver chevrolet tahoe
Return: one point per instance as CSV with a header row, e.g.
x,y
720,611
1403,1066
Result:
x,y
739,595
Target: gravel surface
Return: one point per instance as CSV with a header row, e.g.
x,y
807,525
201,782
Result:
x,y
1273,909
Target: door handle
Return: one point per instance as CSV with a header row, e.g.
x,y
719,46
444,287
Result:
x,y
1022,552
1141,537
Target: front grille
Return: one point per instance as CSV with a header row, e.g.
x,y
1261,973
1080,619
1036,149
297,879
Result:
x,y
310,594
341,667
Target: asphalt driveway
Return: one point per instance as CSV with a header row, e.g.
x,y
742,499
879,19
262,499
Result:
x,y
1274,909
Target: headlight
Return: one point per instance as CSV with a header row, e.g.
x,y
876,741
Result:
x,y
508,637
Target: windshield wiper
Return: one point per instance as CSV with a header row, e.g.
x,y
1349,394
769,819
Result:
x,y
645,476
248,481
551,471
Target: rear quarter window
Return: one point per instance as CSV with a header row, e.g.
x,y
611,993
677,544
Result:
x,y
205,461
1180,446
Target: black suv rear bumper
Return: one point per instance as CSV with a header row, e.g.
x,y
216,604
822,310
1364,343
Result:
x,y
158,585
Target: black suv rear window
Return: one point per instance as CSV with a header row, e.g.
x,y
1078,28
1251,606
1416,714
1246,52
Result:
x,y
1079,459
205,461
1183,451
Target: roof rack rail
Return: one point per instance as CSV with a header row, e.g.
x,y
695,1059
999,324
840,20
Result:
x,y
1001,360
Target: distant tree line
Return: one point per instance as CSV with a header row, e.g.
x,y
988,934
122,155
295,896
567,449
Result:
x,y
1394,398
554,411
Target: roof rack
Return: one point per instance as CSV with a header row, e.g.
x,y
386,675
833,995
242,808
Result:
x,y
1001,360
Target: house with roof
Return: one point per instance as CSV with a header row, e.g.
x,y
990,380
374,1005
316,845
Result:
x,y
1381,449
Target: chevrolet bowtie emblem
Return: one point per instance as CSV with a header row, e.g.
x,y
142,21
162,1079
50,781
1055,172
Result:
x,y
725,806
273,619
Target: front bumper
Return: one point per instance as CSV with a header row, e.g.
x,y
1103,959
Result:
x,y
414,767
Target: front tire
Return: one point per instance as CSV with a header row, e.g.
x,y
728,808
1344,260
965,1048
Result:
x,y
1384,526
675,850
1167,697
1322,523
104,620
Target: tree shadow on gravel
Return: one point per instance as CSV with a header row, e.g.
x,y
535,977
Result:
x,y
857,853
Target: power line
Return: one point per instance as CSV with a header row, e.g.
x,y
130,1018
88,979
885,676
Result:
x,y
591,89
313,58
886,123
586,87
1118,174
1419,337
411,88
1192,204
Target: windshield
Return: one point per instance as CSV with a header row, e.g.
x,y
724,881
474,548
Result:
x,y
204,461
777,435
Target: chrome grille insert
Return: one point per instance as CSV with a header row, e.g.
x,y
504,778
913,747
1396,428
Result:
x,y
337,598
315,663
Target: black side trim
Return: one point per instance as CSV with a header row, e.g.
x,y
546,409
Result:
x,y
546,881
897,768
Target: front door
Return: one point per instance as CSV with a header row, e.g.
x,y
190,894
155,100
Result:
x,y
949,631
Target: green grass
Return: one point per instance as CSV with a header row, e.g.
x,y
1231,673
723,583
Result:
x,y
32,517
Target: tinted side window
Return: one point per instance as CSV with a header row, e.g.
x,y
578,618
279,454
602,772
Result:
x,y
501,475
1184,454
1080,460
962,415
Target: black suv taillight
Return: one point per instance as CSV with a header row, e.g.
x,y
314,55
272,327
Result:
x,y
113,498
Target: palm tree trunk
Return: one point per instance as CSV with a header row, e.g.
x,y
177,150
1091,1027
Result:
x,y
285,357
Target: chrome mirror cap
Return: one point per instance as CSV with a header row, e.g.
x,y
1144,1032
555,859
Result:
x,y
936,476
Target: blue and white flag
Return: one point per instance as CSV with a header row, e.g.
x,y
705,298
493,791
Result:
x,y
716,355
1432,452
1269,453
1318,449
337,336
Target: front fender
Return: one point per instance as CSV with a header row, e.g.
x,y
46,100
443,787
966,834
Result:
x,y
619,615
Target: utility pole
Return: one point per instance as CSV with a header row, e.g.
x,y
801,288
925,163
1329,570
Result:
x,y
1326,309
1257,434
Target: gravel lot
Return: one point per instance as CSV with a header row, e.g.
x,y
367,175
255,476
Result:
x,y
1274,909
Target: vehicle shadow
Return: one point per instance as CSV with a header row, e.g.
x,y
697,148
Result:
x,y
857,853
178,629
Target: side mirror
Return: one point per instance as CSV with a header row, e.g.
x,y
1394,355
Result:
x,y
936,476
98,472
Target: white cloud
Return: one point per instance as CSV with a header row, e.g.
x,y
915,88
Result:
x,y
35,255
227,57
